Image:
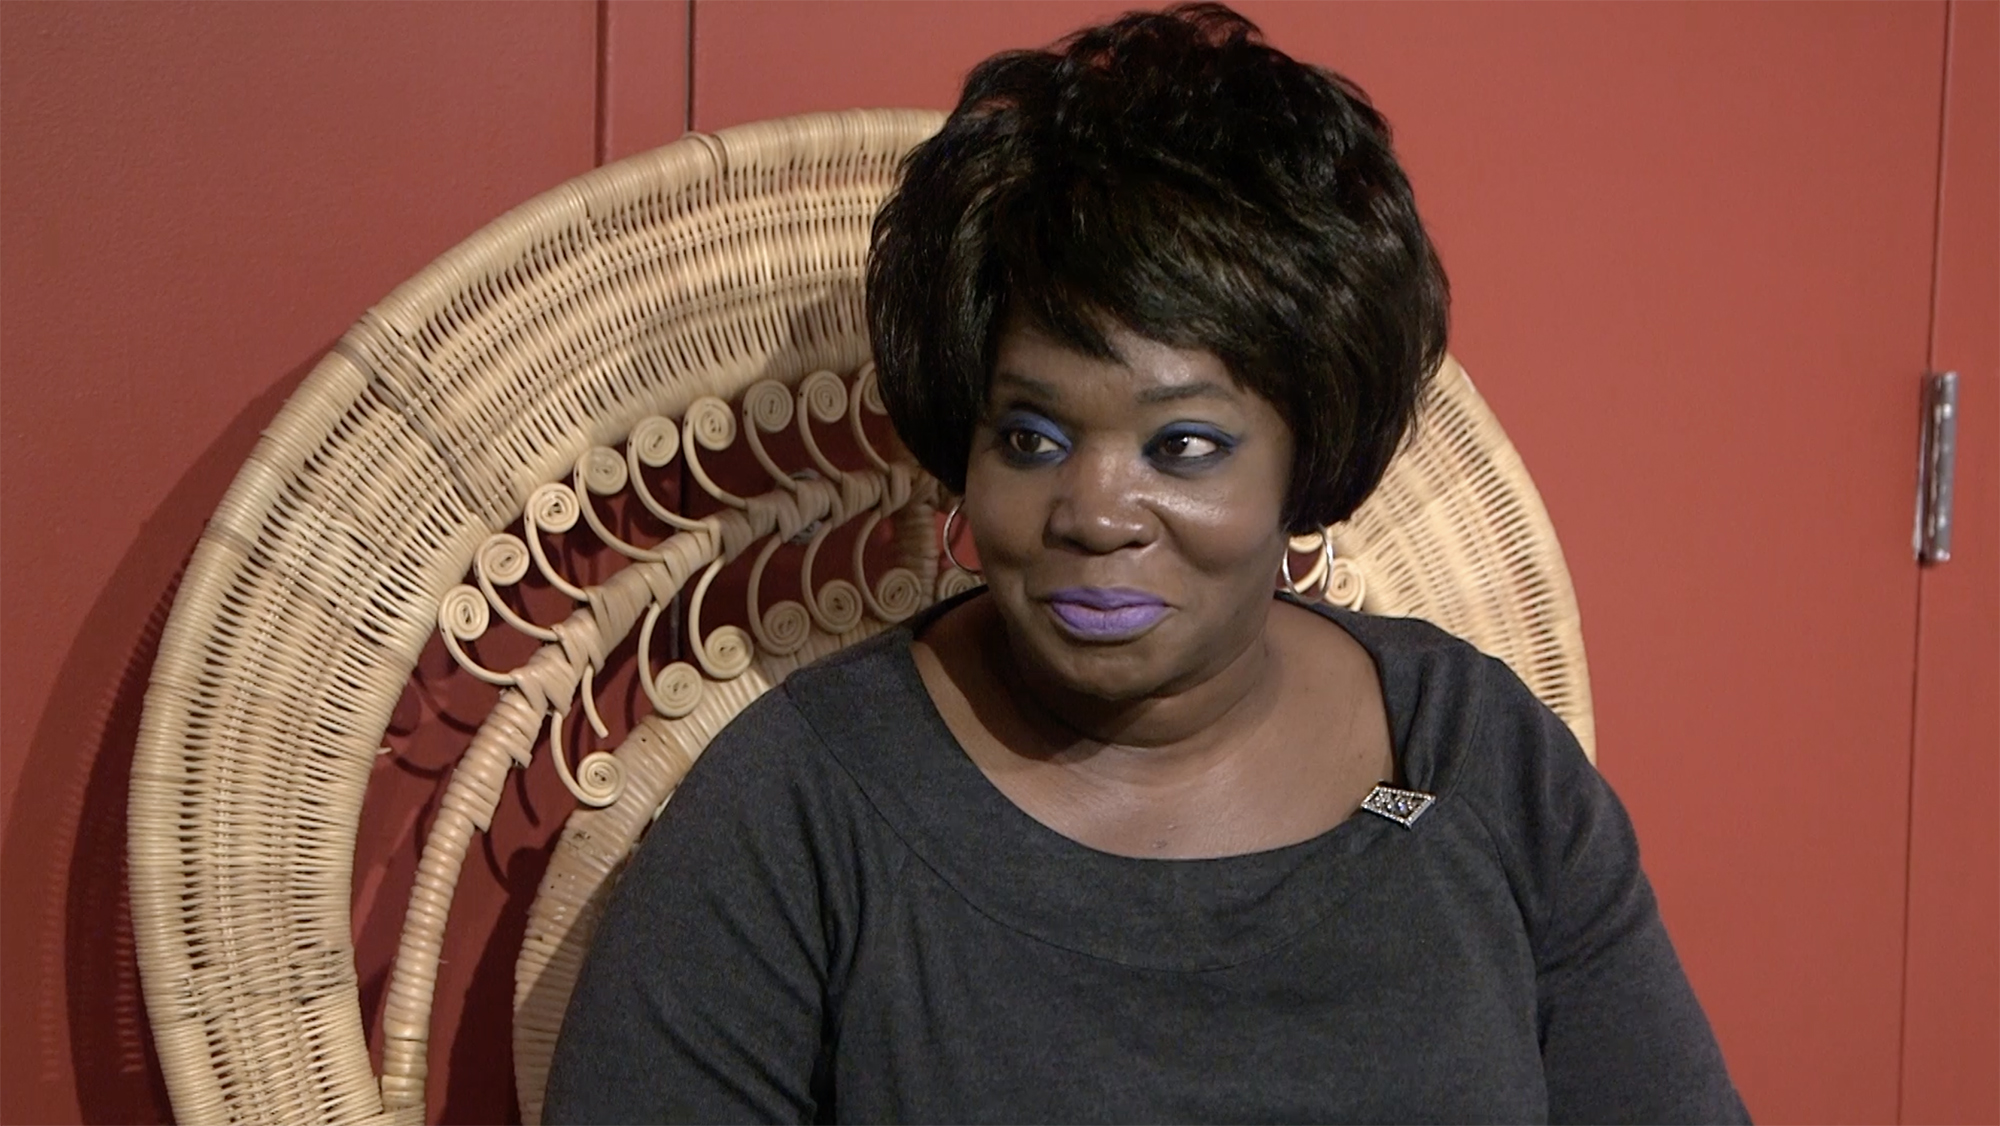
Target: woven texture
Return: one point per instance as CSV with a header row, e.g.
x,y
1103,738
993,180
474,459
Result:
x,y
670,308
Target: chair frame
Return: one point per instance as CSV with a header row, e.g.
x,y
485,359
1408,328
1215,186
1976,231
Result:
x,y
631,309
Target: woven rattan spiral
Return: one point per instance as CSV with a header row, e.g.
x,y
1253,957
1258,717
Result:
x,y
514,383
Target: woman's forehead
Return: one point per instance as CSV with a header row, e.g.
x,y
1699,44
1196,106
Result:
x,y
1033,365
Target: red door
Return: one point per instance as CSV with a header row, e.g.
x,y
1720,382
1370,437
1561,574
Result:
x,y
1951,1048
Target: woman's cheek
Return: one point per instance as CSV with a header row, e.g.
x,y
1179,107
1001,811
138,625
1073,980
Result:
x,y
1003,508
1225,530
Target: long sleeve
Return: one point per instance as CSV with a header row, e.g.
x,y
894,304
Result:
x,y
702,998
1623,1037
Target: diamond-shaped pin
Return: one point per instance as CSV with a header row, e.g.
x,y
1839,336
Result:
x,y
1401,806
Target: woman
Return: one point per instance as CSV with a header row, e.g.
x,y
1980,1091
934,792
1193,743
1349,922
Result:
x,y
1101,844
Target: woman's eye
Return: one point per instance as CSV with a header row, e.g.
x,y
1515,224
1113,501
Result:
x,y
1027,443
1187,447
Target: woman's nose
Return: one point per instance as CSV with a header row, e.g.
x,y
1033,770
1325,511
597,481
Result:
x,y
1096,507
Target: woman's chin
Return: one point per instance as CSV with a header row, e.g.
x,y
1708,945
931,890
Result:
x,y
1113,671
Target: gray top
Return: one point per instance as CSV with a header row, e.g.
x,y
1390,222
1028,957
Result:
x,y
838,917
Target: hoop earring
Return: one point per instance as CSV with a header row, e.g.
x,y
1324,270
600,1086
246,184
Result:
x,y
1321,573
949,517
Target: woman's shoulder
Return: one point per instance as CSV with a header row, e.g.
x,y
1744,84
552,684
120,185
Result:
x,y
831,724
863,690
776,783
1424,668
1467,729
1413,652
1447,700
791,735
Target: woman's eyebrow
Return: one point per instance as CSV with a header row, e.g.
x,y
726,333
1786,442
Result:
x,y
1026,385
1178,391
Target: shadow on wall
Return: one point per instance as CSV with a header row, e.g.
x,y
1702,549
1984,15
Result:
x,y
73,1026
74,1034
72,1016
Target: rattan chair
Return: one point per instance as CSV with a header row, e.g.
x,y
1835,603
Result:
x,y
694,302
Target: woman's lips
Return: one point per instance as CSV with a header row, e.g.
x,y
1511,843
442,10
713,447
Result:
x,y
1106,613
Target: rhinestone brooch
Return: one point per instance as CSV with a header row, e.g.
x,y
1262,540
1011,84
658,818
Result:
x,y
1401,806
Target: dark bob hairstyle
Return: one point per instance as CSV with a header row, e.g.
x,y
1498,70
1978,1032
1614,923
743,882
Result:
x,y
1170,173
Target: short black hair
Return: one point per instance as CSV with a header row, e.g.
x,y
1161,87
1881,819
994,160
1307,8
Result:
x,y
1170,173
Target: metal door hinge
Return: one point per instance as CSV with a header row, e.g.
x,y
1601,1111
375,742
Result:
x,y
1933,538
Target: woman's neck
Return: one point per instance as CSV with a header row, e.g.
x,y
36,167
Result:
x,y
1278,745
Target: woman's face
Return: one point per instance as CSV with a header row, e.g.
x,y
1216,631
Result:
x,y
1127,513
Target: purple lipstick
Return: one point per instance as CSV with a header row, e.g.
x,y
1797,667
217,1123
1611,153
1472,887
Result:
x,y
1106,613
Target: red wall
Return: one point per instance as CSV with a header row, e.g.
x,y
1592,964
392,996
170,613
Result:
x,y
1693,248
196,200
